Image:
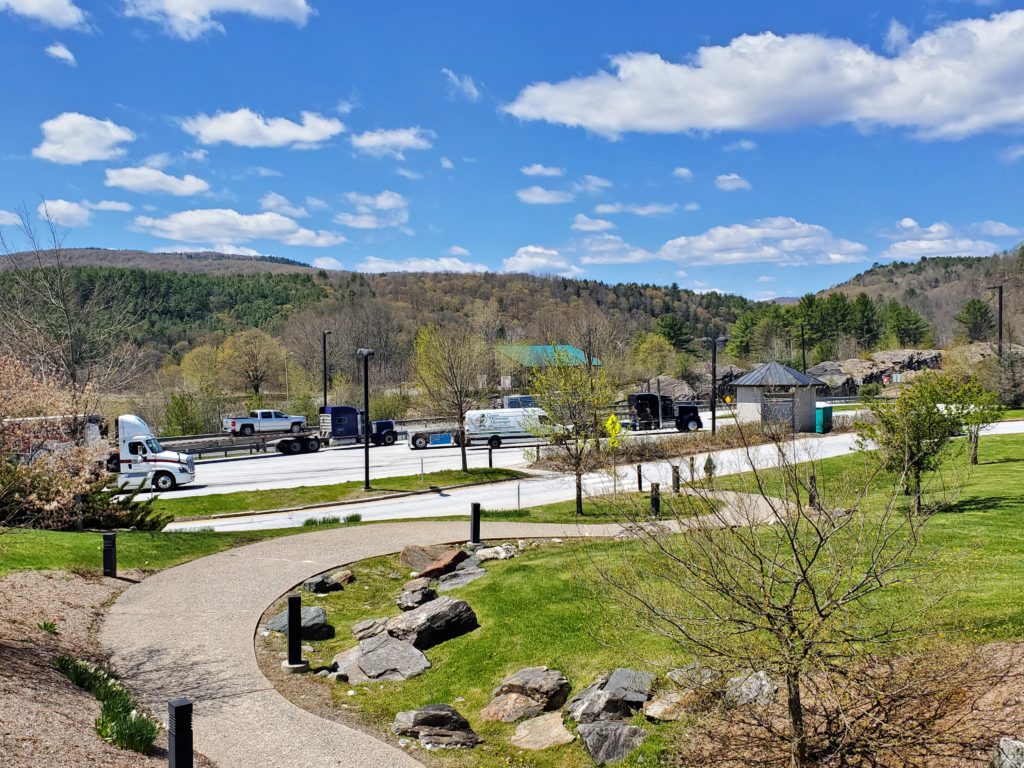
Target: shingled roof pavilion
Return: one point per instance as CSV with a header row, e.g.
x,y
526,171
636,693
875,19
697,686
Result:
x,y
775,392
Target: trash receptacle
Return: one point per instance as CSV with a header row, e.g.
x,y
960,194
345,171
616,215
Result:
x,y
823,419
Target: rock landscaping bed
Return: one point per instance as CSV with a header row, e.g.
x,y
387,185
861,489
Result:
x,y
46,721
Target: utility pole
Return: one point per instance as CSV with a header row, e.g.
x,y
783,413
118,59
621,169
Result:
x,y
366,354
999,294
714,377
324,340
803,350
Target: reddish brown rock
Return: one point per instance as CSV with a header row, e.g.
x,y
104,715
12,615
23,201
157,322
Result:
x,y
510,707
444,564
418,558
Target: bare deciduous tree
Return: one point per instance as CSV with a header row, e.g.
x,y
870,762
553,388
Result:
x,y
251,358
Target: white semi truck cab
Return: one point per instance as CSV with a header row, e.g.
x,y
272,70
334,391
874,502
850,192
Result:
x,y
144,463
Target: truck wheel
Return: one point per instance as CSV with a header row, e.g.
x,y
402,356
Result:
x,y
389,438
692,425
312,445
295,428
246,430
419,442
494,442
163,481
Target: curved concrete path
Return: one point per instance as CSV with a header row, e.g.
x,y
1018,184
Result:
x,y
188,631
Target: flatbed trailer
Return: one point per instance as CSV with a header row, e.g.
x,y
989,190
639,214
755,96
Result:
x,y
286,442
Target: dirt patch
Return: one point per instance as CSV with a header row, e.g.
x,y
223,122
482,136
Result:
x,y
46,721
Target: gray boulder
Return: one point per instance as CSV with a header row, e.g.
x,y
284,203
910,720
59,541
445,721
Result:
x,y
610,742
503,552
414,598
509,707
342,577
436,726
468,564
630,686
548,687
611,697
320,585
693,676
368,628
666,705
433,623
314,624
384,658
414,585
755,689
1008,753
459,578
541,732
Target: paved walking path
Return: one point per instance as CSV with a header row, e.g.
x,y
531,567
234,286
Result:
x,y
188,631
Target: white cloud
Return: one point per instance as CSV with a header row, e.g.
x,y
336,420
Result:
x,y
584,223
380,211
912,241
62,14
280,204
897,37
266,173
997,229
245,128
409,174
765,279
591,185
153,180
458,250
612,249
64,213
461,85
730,182
198,155
60,52
447,164
777,239
539,169
541,196
683,173
228,226
316,203
392,143
327,262
72,139
743,145
9,219
345,106
691,207
1012,154
191,19
160,160
443,264
108,205
539,260
649,209
946,84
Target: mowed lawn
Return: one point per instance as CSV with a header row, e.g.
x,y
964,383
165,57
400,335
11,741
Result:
x,y
259,501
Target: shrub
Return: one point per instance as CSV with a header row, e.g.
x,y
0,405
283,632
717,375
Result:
x,y
120,721
50,627
355,517
868,391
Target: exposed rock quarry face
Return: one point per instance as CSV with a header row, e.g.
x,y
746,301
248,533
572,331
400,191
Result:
x,y
437,726
909,359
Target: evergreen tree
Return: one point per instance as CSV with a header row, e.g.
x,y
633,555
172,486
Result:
x,y
672,328
976,319
865,324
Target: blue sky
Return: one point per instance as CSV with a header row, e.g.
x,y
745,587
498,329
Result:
x,y
758,148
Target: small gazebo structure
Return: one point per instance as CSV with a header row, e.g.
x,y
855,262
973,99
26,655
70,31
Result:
x,y
777,393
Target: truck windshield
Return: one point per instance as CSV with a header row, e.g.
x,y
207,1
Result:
x,y
154,445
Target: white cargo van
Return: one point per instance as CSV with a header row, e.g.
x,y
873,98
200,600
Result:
x,y
494,426
143,462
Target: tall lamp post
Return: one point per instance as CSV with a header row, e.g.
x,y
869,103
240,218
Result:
x,y
999,294
324,340
366,354
714,377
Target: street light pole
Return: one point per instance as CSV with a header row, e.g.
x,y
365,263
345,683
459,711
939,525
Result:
x,y
366,354
324,340
714,378
999,290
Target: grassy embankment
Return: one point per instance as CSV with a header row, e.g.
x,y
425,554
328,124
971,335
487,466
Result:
x,y
283,498
542,608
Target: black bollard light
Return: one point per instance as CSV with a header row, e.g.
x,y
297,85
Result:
x,y
474,523
656,500
490,457
179,733
295,662
110,555
639,478
675,478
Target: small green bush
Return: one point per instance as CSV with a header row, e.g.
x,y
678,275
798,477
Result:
x,y
870,390
353,518
120,721
50,627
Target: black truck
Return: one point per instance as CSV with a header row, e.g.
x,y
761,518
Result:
x,y
650,411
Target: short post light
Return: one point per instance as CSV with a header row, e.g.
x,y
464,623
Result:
x,y
179,733
295,662
366,354
474,523
110,555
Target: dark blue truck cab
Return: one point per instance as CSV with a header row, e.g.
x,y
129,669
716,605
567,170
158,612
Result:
x,y
343,425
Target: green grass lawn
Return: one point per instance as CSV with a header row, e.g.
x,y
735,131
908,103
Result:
x,y
258,501
536,609
1013,413
596,509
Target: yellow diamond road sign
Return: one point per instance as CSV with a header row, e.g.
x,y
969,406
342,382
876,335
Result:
x,y
613,428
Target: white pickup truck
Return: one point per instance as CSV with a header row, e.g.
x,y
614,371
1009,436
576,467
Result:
x,y
263,421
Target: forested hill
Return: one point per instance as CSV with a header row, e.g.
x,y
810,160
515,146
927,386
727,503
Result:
x,y
185,299
939,287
